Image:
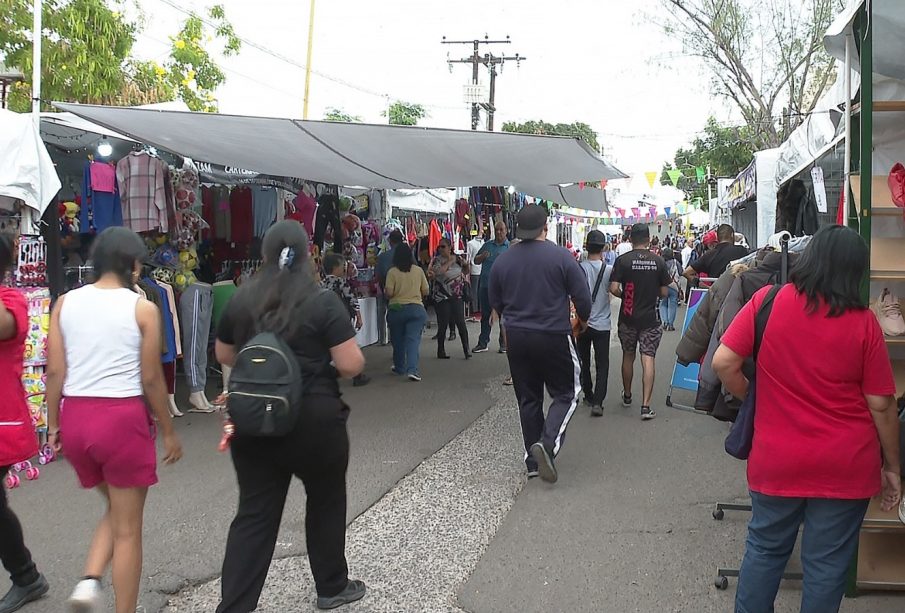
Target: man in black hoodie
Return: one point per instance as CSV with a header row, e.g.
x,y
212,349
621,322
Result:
x,y
530,288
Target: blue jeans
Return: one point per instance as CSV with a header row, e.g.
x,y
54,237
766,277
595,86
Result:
x,y
668,307
828,544
484,303
406,326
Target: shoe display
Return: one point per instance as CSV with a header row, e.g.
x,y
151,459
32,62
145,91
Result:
x,y
355,590
86,597
20,595
647,413
544,460
889,313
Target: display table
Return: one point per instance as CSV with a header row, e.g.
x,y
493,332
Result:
x,y
368,335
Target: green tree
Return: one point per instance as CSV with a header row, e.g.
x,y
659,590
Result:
x,y
339,115
87,55
574,129
726,150
767,58
405,113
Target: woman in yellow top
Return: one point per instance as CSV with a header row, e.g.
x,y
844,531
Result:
x,y
406,287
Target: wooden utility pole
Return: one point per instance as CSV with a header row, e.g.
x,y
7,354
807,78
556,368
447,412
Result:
x,y
491,62
308,61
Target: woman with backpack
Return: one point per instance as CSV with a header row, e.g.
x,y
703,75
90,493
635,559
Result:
x,y
103,375
283,298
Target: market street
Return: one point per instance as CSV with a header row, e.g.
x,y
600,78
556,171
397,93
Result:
x,y
627,528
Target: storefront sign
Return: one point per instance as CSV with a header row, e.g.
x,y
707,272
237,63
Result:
x,y
743,189
232,175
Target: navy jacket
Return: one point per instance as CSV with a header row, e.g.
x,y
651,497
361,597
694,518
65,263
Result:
x,y
531,284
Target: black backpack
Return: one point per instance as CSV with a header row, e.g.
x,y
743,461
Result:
x,y
265,388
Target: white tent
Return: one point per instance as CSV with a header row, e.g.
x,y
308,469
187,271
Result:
x,y
378,156
436,201
26,171
888,43
587,198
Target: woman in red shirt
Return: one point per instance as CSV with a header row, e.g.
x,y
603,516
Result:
x,y
826,435
18,441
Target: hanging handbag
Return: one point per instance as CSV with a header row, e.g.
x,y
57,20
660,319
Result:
x,y
741,435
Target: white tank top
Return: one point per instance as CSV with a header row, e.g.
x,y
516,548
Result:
x,y
102,342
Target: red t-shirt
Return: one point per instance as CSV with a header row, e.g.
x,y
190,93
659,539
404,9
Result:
x,y
18,441
814,436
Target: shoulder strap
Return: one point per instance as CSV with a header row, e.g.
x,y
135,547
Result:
x,y
597,284
763,314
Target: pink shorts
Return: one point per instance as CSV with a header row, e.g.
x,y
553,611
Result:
x,y
109,440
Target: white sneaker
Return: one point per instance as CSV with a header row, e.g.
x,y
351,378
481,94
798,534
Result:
x,y
86,597
889,314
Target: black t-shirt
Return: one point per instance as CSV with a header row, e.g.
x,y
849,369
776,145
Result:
x,y
641,274
325,324
717,260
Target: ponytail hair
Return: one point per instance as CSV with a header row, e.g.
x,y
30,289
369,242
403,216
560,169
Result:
x,y
285,280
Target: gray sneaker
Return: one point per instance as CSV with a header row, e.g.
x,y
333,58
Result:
x,y
355,590
544,460
20,595
597,410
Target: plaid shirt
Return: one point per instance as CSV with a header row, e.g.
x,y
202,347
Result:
x,y
142,187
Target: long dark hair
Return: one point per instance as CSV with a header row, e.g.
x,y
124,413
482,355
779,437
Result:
x,y
285,280
116,250
403,258
831,269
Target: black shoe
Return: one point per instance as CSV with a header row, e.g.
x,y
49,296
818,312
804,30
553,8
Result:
x,y
502,350
467,355
532,473
452,336
626,399
647,413
479,349
435,336
361,381
355,590
441,355
19,596
544,460
597,410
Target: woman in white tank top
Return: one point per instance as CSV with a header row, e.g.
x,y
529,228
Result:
x,y
103,373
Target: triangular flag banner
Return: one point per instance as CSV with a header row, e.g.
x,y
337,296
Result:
x,y
651,177
636,213
603,183
701,173
674,175
581,185
667,210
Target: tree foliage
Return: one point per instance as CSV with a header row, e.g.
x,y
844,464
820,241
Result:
x,y
335,114
725,150
87,55
765,56
574,129
405,113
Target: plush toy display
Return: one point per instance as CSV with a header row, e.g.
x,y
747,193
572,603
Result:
x,y
69,218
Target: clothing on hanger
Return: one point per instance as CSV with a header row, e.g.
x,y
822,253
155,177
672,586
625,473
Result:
x,y
101,209
142,181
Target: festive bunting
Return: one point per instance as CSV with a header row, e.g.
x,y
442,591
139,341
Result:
x,y
667,210
581,185
701,173
635,213
674,175
651,177
603,183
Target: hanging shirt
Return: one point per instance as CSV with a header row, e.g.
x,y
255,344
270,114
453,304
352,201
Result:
x,y
264,206
142,179
240,205
103,177
100,209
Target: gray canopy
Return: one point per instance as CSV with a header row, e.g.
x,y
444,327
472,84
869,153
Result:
x,y
377,156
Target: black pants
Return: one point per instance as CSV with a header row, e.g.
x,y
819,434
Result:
x,y
317,452
594,391
451,314
15,556
327,215
536,360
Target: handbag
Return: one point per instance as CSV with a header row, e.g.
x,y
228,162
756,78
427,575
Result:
x,y
741,435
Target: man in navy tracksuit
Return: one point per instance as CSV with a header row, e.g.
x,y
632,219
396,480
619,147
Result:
x,y
530,287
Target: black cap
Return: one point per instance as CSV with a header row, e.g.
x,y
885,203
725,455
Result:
x,y
531,222
640,230
596,237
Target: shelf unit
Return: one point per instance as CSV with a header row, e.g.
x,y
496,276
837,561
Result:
x,y
880,560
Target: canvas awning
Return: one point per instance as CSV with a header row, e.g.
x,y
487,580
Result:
x,y
587,198
26,170
378,156
888,41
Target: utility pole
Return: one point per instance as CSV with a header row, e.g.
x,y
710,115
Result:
x,y
491,62
308,61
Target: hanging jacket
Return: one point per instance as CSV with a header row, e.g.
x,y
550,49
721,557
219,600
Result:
x,y
693,345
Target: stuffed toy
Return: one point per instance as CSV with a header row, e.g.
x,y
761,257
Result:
x,y
69,217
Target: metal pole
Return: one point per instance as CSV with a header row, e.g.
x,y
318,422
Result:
x,y
475,114
846,199
27,224
491,109
308,62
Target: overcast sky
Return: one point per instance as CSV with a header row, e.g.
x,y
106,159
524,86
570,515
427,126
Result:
x,y
603,62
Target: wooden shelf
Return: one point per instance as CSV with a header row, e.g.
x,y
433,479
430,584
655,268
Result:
x,y
881,560
887,255
895,340
877,519
881,198
884,106
891,276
